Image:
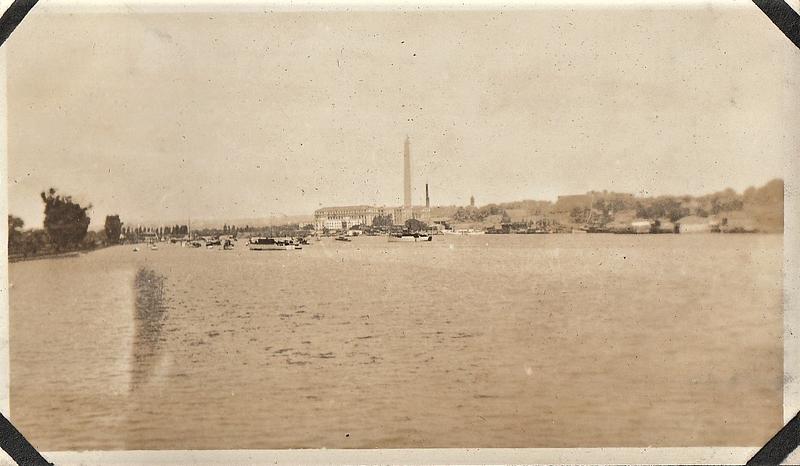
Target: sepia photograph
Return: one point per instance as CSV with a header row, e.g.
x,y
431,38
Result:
x,y
267,226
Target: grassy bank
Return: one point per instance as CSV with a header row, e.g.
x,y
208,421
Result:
x,y
52,254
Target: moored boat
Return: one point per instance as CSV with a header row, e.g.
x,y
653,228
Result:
x,y
410,237
272,244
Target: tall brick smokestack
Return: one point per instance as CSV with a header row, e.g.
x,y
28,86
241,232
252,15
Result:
x,y
427,198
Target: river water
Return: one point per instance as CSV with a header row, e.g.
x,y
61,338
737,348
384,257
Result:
x,y
481,341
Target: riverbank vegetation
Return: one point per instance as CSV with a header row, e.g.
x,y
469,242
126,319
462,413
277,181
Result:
x,y
65,230
756,209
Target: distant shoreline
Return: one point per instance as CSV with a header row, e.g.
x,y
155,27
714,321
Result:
x,y
54,255
64,255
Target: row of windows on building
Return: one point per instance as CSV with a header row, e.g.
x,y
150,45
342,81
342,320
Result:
x,y
334,218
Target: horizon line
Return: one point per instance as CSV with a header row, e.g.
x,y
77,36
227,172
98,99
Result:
x,y
311,214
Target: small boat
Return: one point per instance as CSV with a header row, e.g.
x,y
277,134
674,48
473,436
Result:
x,y
410,237
135,249
343,238
228,245
154,247
273,244
464,232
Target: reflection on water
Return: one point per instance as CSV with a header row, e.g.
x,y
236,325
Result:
x,y
150,313
501,341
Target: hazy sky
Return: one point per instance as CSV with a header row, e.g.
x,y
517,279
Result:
x,y
165,116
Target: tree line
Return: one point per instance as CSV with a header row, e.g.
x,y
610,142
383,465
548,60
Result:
x,y
765,201
135,234
478,214
65,229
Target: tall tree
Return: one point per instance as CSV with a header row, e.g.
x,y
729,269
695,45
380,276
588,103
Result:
x,y
113,228
413,224
15,225
382,221
65,221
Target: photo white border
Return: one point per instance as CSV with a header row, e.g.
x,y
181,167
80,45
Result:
x,y
680,455
5,375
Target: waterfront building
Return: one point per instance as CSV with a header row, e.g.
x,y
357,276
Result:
x,y
665,226
696,224
641,225
401,215
345,217
342,218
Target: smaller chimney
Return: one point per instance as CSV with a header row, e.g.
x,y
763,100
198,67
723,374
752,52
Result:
x,y
427,199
